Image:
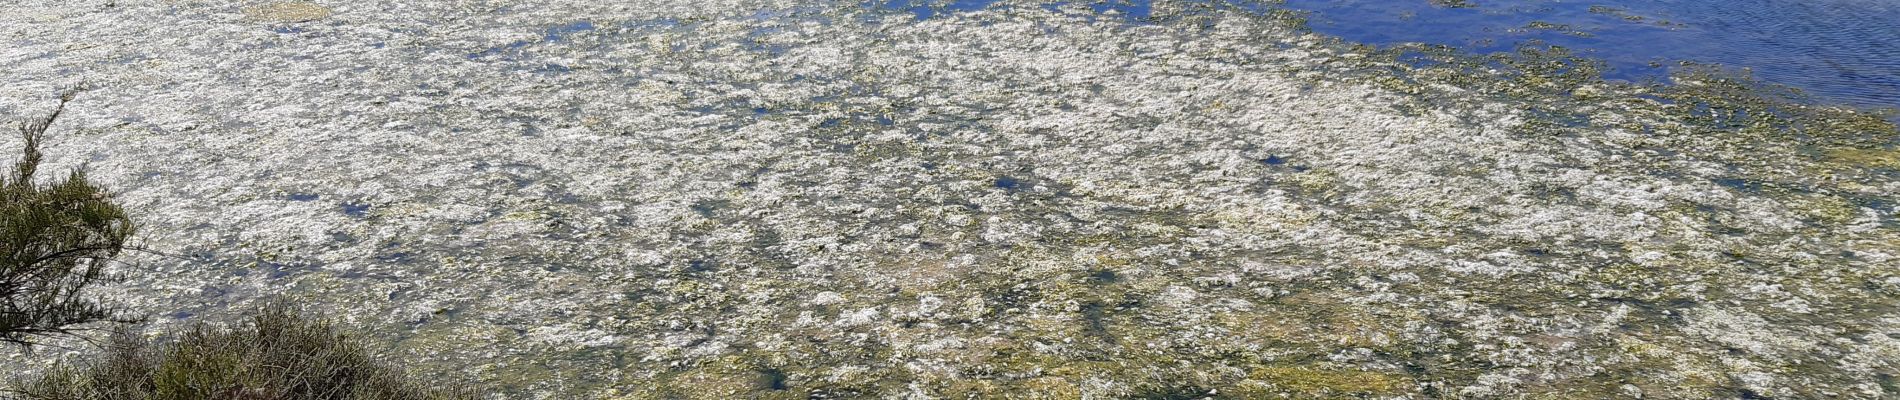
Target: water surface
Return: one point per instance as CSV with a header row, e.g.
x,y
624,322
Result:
x,y
1840,51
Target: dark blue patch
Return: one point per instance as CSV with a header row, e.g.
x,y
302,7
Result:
x,y
969,5
358,210
830,122
925,9
885,120
1739,184
1273,160
705,209
1880,204
651,24
303,197
1008,183
559,33
287,30
395,258
274,270
180,314
773,379
760,111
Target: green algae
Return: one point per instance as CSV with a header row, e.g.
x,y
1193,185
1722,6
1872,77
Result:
x,y
287,12
1334,383
1865,157
1828,210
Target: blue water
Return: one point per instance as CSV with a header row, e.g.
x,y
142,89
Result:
x,y
1838,51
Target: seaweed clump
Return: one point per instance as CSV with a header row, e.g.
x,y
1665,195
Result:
x,y
279,355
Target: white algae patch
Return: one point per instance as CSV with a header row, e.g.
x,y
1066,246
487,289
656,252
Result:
x,y
722,199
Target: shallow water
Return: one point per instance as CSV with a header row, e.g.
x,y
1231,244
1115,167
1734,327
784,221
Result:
x,y
965,199
1840,51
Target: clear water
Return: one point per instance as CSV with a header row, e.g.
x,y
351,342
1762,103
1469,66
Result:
x,y
1839,51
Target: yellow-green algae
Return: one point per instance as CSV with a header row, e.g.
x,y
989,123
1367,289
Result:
x,y
287,11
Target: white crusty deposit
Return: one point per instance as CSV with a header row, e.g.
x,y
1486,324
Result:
x,y
791,199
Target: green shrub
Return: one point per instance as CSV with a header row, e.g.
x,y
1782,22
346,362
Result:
x,y
279,355
55,241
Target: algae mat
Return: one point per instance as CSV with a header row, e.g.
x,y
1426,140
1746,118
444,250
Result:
x,y
778,199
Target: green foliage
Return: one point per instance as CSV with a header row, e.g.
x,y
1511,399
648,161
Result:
x,y
279,355
55,241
